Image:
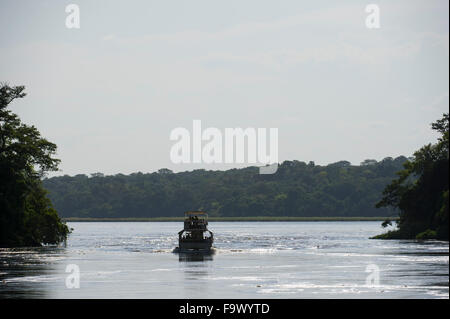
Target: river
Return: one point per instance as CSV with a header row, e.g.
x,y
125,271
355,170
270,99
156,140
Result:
x,y
251,260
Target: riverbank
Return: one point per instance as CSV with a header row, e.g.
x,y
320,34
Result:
x,y
228,219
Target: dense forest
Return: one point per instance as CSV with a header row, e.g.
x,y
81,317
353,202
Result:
x,y
27,217
420,192
296,189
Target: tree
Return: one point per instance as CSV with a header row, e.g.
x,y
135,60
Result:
x,y
295,190
27,217
369,162
420,192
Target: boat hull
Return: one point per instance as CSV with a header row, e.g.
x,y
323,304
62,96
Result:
x,y
195,245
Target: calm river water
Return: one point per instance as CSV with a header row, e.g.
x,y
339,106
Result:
x,y
252,260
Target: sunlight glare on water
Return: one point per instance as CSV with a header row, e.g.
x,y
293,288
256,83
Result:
x,y
251,260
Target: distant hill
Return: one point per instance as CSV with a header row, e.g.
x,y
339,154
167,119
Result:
x,y
296,189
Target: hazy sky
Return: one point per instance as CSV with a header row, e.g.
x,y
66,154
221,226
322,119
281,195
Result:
x,y
109,94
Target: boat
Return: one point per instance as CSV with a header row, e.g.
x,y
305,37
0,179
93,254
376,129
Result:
x,y
195,236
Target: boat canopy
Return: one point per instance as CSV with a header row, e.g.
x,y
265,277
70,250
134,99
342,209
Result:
x,y
199,214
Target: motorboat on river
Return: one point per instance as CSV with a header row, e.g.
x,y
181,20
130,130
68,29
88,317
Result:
x,y
195,236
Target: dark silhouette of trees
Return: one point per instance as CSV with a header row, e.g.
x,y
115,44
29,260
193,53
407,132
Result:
x,y
27,217
297,189
420,192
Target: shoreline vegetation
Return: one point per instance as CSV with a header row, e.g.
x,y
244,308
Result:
x,y
27,216
229,219
421,191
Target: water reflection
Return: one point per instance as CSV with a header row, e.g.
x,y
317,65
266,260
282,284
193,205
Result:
x,y
135,260
195,256
196,269
25,271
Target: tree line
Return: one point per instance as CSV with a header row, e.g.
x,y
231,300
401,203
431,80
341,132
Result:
x,y
296,189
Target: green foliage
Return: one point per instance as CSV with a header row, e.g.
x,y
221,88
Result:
x,y
428,234
420,192
27,217
392,234
297,189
